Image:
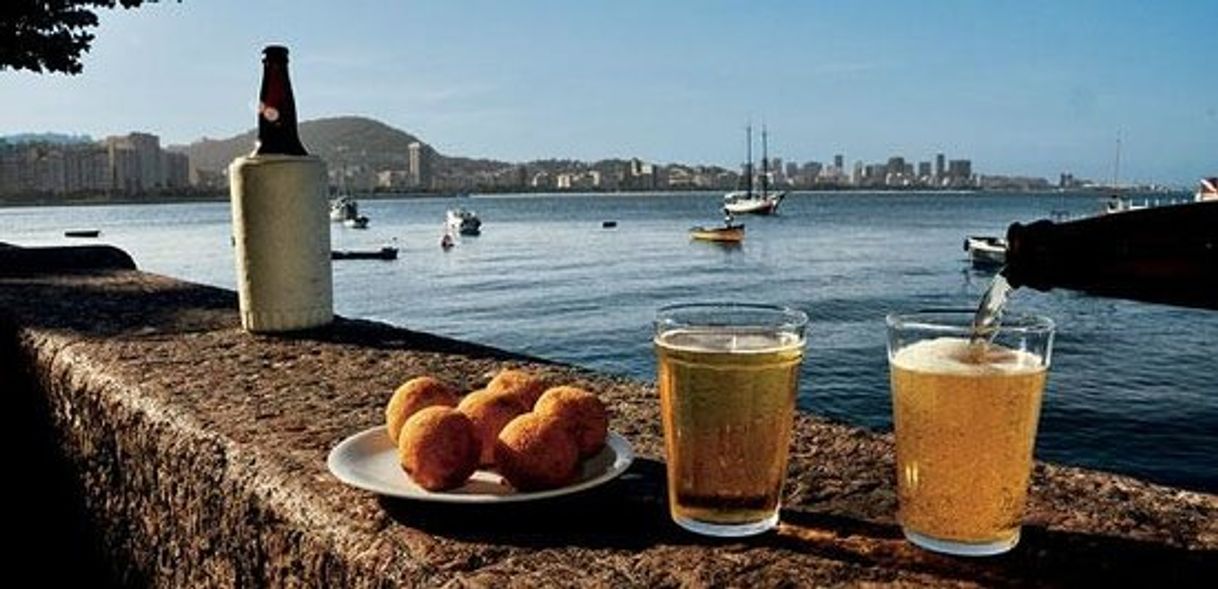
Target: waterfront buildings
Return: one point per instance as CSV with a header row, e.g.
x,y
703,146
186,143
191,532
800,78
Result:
x,y
132,164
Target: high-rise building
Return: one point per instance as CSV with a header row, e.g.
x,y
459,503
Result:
x,y
839,162
418,160
960,172
939,169
923,170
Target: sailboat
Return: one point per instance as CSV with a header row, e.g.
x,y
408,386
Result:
x,y
747,201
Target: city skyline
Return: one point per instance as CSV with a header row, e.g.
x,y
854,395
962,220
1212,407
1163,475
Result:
x,y
76,166
1030,90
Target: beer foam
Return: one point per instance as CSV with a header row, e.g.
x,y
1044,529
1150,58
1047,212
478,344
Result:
x,y
958,356
734,343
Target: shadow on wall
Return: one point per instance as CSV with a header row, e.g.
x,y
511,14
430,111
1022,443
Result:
x,y
45,502
631,514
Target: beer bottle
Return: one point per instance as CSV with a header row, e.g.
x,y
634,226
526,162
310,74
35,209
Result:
x,y
281,228
1165,254
277,107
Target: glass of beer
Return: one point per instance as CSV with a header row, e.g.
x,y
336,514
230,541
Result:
x,y
965,410
727,375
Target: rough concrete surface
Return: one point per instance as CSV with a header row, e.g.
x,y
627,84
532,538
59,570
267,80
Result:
x,y
195,453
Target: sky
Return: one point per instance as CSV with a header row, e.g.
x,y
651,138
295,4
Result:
x,y
1032,87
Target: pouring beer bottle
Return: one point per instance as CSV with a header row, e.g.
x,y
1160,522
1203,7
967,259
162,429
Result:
x,y
277,132
1165,254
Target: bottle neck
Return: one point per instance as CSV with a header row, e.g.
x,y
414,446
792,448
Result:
x,y
277,132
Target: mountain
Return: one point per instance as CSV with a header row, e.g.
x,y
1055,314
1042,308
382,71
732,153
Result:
x,y
338,140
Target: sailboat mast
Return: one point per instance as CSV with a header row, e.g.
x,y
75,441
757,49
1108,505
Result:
x,y
765,164
1116,164
748,167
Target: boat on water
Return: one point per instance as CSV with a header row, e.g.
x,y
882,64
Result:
x,y
986,251
749,201
82,233
385,253
728,232
343,207
1119,204
463,221
357,222
1208,190
723,234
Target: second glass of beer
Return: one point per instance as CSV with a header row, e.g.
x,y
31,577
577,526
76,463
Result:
x,y
965,408
727,375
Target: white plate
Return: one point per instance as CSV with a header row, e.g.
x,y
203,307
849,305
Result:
x,y
368,460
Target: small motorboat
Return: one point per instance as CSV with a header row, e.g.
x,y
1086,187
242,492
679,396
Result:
x,y
463,221
730,233
986,251
343,208
82,233
385,253
1208,190
446,242
359,222
608,224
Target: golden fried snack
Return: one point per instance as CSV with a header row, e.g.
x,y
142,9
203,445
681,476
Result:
x,y
490,411
413,395
581,412
526,386
439,448
536,452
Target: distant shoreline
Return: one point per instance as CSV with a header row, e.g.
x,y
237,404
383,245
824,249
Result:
x,y
201,197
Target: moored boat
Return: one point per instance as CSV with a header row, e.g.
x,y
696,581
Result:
x,y
986,251
385,253
726,234
1208,190
748,202
342,208
82,233
463,221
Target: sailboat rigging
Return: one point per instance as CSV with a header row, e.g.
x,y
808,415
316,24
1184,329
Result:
x,y
748,201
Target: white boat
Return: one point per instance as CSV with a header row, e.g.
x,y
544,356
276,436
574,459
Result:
x,y
342,208
357,222
463,221
1208,190
748,201
986,251
1119,204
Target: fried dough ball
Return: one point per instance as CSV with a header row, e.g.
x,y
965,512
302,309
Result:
x,y
490,411
581,412
413,395
439,448
535,451
526,386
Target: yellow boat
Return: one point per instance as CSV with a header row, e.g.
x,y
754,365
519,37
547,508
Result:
x,y
726,233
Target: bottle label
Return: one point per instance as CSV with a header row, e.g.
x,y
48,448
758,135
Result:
x,y
269,113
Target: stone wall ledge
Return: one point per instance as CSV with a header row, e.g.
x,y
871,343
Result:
x,y
194,455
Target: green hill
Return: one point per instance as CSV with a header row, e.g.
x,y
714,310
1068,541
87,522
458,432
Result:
x,y
341,141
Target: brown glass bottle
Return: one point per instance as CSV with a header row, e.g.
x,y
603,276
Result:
x,y
277,132
1163,254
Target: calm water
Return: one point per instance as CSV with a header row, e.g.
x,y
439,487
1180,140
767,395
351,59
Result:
x,y
1132,388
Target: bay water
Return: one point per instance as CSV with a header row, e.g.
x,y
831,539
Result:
x,y
1133,387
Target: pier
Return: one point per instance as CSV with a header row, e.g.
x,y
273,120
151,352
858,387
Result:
x,y
160,444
